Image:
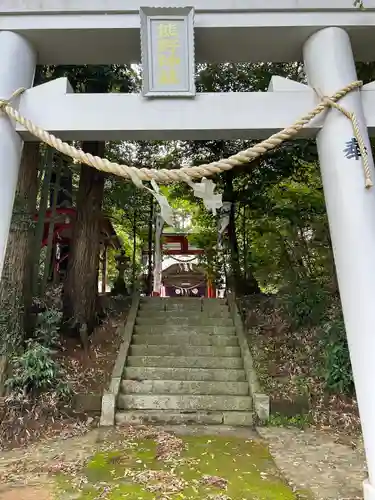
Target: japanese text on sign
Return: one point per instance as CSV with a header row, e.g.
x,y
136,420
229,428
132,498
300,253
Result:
x,y
167,43
167,57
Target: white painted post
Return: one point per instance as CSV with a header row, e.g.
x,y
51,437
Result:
x,y
330,66
18,61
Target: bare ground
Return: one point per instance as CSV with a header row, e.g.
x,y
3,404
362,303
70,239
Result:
x,y
26,421
311,460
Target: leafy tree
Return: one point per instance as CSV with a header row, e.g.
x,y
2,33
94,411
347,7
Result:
x,y
80,288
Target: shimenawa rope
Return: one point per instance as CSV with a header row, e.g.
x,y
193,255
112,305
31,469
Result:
x,y
187,173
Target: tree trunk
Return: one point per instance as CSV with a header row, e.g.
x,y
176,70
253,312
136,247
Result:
x,y
81,287
150,246
134,250
39,229
241,286
104,269
16,278
48,262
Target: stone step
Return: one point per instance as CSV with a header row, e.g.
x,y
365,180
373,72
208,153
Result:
x,y
150,319
184,350
170,299
182,300
179,310
185,362
183,329
184,387
184,402
175,315
187,339
195,305
162,417
195,374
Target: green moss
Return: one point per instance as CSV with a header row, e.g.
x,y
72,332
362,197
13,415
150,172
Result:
x,y
246,466
299,421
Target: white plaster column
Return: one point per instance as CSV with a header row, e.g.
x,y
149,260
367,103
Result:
x,y
18,61
330,66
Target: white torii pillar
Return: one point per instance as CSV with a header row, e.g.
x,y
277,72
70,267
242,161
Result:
x,y
330,66
18,62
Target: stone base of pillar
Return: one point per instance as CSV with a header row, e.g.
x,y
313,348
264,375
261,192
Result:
x,y
368,491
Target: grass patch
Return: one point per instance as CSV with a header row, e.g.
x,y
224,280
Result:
x,y
299,421
211,468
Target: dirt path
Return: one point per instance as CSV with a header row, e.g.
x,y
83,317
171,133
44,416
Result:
x,y
27,493
316,461
311,461
24,472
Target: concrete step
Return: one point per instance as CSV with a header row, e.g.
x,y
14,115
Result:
x,y
182,304
150,319
175,329
160,417
185,362
184,402
195,306
170,299
184,350
198,374
187,339
182,300
184,387
175,315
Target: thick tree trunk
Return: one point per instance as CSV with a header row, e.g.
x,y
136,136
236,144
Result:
x,y
16,278
81,285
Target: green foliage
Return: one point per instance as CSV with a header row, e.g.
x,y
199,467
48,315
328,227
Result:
x,y
47,327
305,302
337,370
280,234
34,367
36,371
308,303
299,421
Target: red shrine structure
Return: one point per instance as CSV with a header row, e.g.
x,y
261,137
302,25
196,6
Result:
x,y
184,277
62,232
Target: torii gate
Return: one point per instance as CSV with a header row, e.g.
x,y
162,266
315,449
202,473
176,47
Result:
x,y
323,31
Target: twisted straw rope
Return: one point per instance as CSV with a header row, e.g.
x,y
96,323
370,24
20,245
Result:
x,y
357,134
187,173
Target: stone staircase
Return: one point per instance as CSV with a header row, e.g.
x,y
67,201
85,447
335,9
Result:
x,y
184,366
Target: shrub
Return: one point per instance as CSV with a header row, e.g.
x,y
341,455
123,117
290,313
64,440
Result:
x,y
305,302
308,303
36,371
47,327
337,370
